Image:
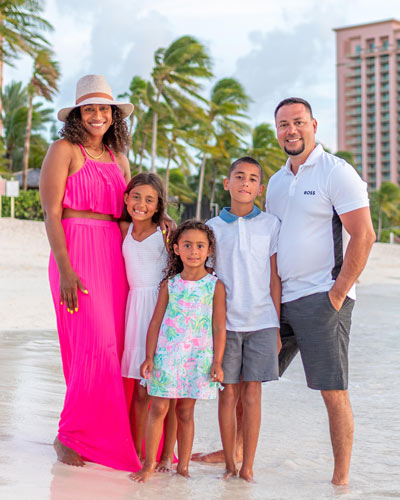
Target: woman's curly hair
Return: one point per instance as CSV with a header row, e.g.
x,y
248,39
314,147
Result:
x,y
116,138
147,179
174,264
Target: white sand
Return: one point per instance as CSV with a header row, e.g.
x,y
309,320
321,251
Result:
x,y
294,456
25,300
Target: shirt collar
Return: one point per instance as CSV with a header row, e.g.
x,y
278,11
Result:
x,y
227,216
310,161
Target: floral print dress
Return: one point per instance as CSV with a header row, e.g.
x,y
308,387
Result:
x,y
184,353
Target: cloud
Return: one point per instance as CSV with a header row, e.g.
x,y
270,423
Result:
x,y
293,61
118,41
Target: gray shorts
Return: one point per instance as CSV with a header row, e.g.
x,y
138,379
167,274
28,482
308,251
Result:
x,y
312,325
250,356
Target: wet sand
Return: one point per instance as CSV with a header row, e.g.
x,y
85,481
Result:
x,y
294,456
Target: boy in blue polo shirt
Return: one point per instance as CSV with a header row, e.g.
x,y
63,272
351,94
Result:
x,y
245,261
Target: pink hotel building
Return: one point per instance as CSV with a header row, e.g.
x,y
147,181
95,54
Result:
x,y
368,98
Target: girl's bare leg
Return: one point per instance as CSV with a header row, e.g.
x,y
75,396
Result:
x,y
154,427
138,416
170,428
185,434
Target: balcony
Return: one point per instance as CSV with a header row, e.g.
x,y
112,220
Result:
x,y
353,112
354,122
355,141
355,73
385,78
351,83
353,93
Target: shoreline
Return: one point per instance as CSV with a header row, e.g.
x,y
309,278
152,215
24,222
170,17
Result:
x,y
25,297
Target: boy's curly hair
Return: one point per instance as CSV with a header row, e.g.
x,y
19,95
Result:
x,y
174,264
116,138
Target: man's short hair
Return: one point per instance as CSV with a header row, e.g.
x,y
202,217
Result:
x,y
293,100
246,159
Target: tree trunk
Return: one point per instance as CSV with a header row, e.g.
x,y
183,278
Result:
x,y
10,162
128,147
154,137
213,187
378,236
141,153
200,193
170,152
27,143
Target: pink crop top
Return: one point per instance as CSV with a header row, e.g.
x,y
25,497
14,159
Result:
x,y
96,187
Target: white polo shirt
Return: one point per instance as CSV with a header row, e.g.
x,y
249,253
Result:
x,y
242,263
311,240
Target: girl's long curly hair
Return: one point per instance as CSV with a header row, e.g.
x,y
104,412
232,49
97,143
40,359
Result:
x,y
174,264
147,179
116,138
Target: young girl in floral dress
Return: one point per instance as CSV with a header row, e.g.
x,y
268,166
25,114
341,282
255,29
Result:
x,y
185,342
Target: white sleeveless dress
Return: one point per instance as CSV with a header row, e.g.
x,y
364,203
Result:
x,y
144,263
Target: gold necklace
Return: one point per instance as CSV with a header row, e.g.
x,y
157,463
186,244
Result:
x,y
96,157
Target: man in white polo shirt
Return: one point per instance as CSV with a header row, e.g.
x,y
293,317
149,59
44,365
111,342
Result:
x,y
316,196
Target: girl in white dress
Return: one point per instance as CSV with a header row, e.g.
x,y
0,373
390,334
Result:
x,y
145,257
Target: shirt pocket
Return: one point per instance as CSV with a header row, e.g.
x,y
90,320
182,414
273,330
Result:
x,y
260,247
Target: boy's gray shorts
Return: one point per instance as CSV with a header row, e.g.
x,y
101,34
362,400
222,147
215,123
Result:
x,y
250,356
312,325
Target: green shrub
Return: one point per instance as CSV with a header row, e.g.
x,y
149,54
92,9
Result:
x,y
385,235
27,205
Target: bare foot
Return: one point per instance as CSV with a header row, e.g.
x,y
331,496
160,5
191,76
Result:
x,y
183,471
340,480
229,473
215,457
164,465
246,474
67,455
143,475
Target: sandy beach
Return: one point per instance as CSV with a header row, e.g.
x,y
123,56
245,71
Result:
x,y
294,457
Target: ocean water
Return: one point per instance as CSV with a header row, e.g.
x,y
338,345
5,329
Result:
x,y
294,458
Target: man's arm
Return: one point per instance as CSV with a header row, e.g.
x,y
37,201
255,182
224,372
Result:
x,y
358,224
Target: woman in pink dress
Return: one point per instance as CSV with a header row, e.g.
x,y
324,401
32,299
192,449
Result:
x,y
82,183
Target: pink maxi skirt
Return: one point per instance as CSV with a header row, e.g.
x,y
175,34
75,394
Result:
x,y
94,421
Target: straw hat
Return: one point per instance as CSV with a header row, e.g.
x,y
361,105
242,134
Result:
x,y
93,89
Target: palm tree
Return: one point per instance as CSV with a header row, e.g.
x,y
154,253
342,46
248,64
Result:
x,y
265,149
175,75
15,100
388,201
225,114
20,32
44,84
139,98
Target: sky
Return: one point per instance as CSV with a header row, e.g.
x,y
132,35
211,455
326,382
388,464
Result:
x,y
276,49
